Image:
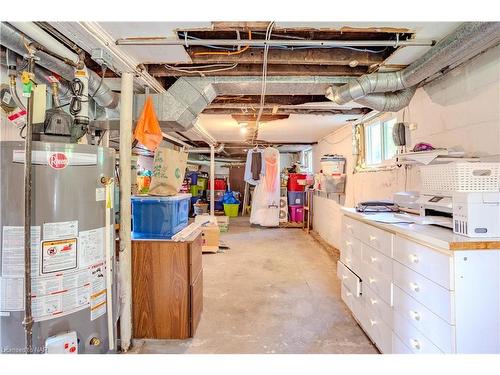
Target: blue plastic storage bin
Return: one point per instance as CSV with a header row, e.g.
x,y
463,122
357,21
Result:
x,y
159,217
295,198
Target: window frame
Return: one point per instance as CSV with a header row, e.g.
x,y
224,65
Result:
x,y
307,160
383,122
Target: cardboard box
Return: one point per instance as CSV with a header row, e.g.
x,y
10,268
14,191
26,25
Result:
x,y
210,236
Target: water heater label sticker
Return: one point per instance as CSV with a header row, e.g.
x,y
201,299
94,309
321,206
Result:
x,y
59,283
60,304
44,158
13,251
100,194
63,229
59,255
98,294
91,247
11,293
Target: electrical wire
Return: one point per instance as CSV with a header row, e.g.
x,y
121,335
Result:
x,y
192,69
187,37
264,81
75,106
227,53
103,68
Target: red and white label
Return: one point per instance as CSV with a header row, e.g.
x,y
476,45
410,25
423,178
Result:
x,y
58,160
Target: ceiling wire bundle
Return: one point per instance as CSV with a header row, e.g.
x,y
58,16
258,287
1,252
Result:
x,y
202,72
264,81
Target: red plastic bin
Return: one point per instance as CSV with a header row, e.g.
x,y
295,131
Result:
x,y
219,184
292,181
296,213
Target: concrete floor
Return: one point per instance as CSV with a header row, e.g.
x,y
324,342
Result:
x,y
273,291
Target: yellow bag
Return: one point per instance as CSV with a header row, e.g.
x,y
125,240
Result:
x,y
169,167
148,131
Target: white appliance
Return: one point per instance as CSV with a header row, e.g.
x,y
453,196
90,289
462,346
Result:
x,y
476,214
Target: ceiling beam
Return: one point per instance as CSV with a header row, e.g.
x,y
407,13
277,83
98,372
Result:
x,y
272,70
315,56
288,111
271,100
264,118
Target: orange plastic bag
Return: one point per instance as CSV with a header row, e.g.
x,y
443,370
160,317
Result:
x,y
148,131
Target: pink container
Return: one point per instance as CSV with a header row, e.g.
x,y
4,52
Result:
x,y
296,213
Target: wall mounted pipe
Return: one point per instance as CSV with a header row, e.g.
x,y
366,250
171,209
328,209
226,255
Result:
x,y
41,36
468,40
14,41
126,120
207,150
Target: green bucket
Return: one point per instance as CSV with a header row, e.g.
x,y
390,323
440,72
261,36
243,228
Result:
x,y
194,190
203,183
231,210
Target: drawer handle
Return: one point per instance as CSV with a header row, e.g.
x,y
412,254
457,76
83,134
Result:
x,y
348,243
373,259
371,280
415,344
414,258
372,238
373,301
348,294
414,315
415,287
373,322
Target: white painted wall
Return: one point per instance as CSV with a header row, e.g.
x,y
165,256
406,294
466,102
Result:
x,y
462,108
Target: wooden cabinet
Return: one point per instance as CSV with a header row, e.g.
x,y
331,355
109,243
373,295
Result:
x,y
167,288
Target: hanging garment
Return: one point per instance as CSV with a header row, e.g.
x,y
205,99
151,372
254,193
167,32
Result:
x,y
266,196
256,167
248,168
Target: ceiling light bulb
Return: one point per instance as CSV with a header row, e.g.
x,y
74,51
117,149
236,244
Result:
x,y
353,63
243,130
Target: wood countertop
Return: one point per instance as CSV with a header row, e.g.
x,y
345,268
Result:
x,y
434,236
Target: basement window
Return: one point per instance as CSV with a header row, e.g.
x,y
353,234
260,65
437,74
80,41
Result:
x,y
379,145
307,161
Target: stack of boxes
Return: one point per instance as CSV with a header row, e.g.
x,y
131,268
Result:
x,y
296,187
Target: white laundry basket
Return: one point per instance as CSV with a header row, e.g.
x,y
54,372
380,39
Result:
x,y
461,176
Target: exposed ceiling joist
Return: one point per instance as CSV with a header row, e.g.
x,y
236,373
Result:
x,y
263,118
336,56
287,111
256,70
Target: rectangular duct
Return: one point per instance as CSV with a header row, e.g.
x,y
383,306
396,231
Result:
x,y
178,108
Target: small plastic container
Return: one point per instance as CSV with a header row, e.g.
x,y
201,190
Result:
x,y
200,208
219,206
296,198
231,210
219,184
293,184
193,176
159,217
202,182
194,190
296,213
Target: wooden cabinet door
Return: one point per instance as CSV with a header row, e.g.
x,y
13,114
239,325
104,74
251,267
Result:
x,y
196,302
195,258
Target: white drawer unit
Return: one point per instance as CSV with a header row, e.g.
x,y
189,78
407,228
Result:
x,y
420,289
433,327
377,260
379,331
431,263
349,278
398,347
412,337
378,282
350,253
377,238
374,302
436,298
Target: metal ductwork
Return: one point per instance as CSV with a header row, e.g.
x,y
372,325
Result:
x,y
393,91
14,41
178,108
